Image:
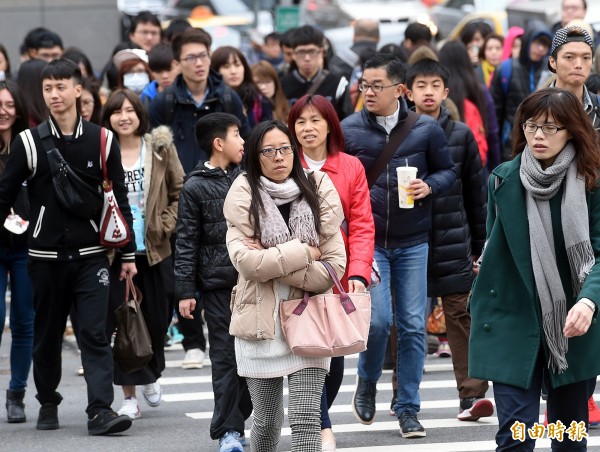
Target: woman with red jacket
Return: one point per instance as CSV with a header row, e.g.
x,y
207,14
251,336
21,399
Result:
x,y
315,126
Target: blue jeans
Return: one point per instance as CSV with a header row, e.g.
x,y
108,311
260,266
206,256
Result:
x,y
407,267
14,263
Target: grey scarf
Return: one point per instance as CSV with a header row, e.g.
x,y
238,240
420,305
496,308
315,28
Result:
x,y
541,185
273,228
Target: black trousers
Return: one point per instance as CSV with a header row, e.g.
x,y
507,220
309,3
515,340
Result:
x,y
57,286
192,329
149,280
566,404
232,399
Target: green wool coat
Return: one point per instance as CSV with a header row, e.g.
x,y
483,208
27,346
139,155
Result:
x,y
506,326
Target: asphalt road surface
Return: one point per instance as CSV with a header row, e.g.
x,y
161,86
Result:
x,y
182,420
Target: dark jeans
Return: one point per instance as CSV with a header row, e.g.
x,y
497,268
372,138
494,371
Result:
x,y
566,403
14,263
83,284
232,399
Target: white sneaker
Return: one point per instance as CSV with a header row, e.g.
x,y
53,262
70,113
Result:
x,y
152,393
130,408
194,359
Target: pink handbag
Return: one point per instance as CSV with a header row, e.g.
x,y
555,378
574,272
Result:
x,y
328,324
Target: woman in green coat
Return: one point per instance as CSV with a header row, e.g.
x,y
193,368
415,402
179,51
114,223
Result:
x,y
534,302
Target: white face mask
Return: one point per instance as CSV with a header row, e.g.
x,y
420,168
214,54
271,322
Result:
x,y
136,82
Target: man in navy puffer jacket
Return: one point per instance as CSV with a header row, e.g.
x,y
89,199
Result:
x,y
401,235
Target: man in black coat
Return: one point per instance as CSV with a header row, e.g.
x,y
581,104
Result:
x,y
68,266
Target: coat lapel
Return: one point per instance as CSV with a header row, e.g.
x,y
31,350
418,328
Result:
x,y
512,213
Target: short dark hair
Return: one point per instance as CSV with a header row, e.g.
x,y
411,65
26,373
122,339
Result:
x,y
214,125
190,36
160,58
143,17
115,102
76,55
62,69
417,32
395,69
426,67
307,35
286,38
47,40
175,28
469,31
32,37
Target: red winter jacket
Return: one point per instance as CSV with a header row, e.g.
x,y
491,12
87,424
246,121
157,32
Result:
x,y
348,176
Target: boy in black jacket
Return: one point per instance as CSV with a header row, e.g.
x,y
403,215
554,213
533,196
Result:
x,y
202,265
67,265
457,232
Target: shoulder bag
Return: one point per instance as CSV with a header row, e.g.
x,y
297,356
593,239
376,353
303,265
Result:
x,y
329,324
132,349
76,192
114,231
390,148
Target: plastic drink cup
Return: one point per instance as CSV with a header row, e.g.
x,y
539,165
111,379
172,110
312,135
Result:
x,y
405,175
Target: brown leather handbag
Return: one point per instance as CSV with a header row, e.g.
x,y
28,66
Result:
x,y
132,349
328,324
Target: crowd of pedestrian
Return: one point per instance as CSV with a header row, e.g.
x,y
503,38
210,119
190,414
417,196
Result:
x,y
239,174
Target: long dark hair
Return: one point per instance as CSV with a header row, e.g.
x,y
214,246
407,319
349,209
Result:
x,y
463,83
248,90
29,79
21,115
568,111
253,146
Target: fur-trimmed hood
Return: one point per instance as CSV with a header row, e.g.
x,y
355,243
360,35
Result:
x,y
159,138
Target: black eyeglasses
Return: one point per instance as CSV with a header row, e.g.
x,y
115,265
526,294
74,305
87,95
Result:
x,y
547,129
191,59
363,87
272,152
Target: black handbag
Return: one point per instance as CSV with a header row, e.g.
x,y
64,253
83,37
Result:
x,y
77,193
132,349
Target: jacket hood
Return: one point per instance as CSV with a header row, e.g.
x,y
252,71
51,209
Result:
x,y
202,170
161,137
535,29
512,34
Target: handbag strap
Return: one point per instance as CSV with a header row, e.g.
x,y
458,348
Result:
x,y
130,290
345,299
103,152
317,82
390,148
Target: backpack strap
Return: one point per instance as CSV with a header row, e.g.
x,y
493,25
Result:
x,y
169,106
395,140
317,82
505,75
227,100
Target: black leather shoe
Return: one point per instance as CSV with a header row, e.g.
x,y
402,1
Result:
x,y
48,418
15,408
107,422
363,401
410,427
